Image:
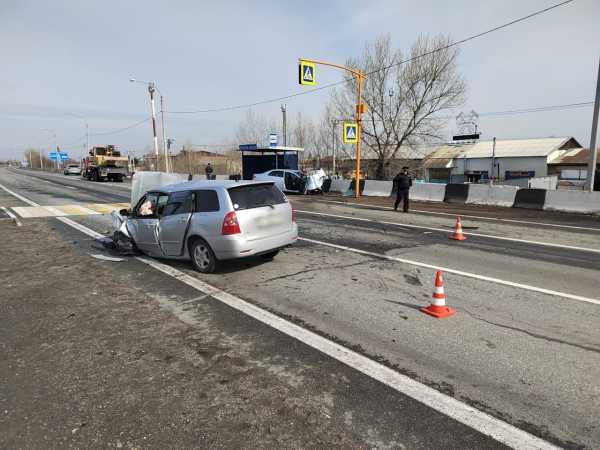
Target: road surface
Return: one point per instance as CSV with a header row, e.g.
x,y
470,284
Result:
x,y
524,346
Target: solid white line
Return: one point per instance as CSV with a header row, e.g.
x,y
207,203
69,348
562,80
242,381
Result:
x,y
461,412
421,227
456,272
12,216
597,230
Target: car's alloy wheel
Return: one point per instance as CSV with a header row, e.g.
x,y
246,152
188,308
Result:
x,y
203,258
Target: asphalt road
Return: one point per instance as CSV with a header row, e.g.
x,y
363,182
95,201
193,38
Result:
x,y
524,355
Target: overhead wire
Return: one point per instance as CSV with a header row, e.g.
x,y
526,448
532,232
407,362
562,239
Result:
x,y
337,83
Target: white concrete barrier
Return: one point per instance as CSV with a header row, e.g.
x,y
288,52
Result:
x,y
549,183
142,182
573,201
376,188
339,186
429,192
483,194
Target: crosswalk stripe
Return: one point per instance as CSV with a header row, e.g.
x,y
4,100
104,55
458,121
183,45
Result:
x,y
28,212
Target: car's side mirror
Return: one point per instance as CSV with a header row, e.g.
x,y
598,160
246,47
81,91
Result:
x,y
124,212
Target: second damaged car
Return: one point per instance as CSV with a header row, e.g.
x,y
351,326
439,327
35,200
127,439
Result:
x,y
209,222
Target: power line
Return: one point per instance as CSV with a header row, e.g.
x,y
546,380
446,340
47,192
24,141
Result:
x,y
327,86
119,130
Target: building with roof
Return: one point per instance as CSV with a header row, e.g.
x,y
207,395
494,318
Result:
x,y
514,158
572,167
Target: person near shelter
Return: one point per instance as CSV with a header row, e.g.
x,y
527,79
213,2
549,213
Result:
x,y
209,171
403,183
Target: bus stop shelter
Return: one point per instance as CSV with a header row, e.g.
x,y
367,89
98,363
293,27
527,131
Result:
x,y
257,159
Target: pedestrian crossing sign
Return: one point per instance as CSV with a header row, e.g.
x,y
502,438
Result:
x,y
350,133
306,73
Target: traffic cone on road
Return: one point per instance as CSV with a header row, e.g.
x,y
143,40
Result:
x,y
458,233
438,308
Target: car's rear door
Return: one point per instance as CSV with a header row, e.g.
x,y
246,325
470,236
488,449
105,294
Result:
x,y
174,222
262,210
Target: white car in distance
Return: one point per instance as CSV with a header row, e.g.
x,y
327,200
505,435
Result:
x,y
286,180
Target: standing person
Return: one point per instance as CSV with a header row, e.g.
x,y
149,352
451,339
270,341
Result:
x,y
403,183
209,171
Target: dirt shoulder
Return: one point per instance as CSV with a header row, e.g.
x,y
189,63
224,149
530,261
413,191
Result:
x,y
93,357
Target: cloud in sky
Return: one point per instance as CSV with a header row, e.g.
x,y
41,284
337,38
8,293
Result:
x,y
69,56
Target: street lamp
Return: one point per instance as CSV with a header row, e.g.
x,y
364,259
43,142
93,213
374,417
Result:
x,y
151,88
87,130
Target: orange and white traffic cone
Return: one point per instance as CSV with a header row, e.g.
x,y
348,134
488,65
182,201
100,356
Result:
x,y
438,306
458,233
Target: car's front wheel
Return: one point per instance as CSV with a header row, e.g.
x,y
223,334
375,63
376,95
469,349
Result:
x,y
203,258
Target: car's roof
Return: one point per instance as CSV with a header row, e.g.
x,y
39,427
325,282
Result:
x,y
206,184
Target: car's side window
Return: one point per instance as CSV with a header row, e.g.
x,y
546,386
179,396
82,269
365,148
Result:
x,y
277,173
179,203
162,201
207,201
146,207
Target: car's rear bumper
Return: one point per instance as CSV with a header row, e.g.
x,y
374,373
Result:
x,y
233,247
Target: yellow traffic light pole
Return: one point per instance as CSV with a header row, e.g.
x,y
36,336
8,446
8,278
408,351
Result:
x,y
360,108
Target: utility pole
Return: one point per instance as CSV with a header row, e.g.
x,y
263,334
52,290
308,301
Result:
x,y
493,161
333,122
41,160
593,153
151,89
284,125
164,133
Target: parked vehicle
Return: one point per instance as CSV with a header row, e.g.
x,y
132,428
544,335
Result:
x,y
286,180
104,163
209,222
72,169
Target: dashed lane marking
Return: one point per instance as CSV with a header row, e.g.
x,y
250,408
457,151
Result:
x,y
470,216
456,272
421,227
449,406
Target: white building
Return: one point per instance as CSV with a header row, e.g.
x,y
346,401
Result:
x,y
517,158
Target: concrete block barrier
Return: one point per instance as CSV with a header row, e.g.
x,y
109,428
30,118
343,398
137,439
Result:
x,y
378,188
530,198
483,194
456,193
339,186
573,201
428,192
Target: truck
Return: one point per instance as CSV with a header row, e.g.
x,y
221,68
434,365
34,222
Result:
x,y
104,163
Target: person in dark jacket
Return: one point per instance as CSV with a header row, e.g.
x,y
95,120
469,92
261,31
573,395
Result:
x,y
209,171
403,183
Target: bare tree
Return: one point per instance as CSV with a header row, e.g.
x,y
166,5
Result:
x,y
255,128
403,98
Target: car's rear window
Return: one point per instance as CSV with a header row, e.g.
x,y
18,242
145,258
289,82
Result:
x,y
255,196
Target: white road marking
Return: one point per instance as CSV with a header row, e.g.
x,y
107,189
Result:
x,y
69,187
516,221
422,227
456,272
461,412
12,216
449,406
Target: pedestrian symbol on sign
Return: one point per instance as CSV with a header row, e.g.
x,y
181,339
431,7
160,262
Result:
x,y
350,133
307,73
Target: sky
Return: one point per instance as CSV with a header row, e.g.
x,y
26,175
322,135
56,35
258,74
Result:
x,y
68,62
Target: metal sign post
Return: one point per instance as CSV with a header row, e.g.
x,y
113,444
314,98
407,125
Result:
x,y
306,69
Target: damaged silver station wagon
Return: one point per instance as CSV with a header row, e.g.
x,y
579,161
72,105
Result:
x,y
210,221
